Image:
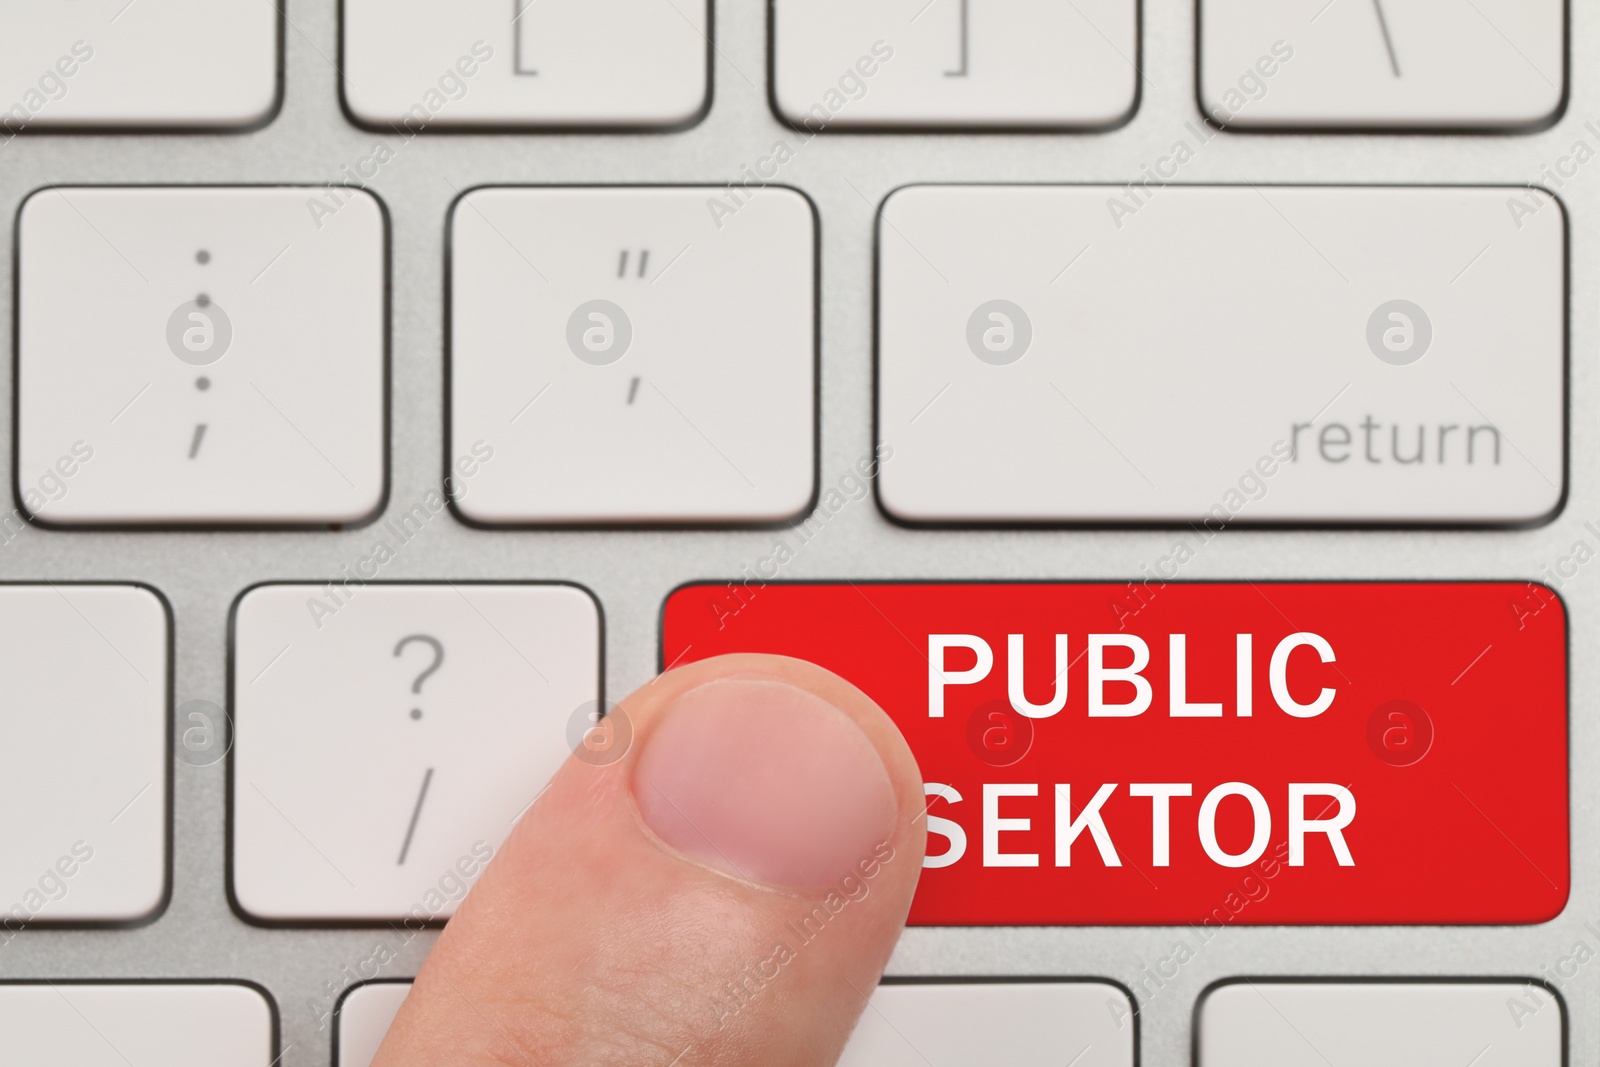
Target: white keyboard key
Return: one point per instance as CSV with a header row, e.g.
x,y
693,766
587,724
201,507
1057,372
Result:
x,y
912,1024
219,351
153,64
364,1015
839,64
1266,1023
633,355
1019,1024
1487,64
1225,355
137,1024
421,64
386,737
83,770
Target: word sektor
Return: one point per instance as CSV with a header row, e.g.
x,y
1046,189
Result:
x,y
1304,819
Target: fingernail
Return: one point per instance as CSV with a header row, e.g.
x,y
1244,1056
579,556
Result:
x,y
766,781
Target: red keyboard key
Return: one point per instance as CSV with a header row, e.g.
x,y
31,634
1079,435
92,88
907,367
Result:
x,y
1253,753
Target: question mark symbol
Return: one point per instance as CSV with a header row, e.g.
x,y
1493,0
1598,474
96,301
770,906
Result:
x,y
438,661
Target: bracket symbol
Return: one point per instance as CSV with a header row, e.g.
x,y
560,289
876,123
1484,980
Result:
x,y
966,23
518,9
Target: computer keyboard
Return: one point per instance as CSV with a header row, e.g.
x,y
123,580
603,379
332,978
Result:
x,y
1174,414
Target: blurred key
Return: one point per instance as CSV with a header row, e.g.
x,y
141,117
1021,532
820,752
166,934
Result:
x,y
1266,1023
1019,1024
137,63
1375,64
903,64
137,1024
363,1019
84,763
415,65
906,1023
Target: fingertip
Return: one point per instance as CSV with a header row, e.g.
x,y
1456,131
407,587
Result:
x,y
732,881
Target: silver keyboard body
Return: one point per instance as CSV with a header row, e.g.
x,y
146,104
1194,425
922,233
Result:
x,y
847,175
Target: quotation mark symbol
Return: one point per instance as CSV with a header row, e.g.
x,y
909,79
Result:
x,y
199,332
999,332
1399,332
599,332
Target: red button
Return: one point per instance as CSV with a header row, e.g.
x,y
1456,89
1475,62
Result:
x,y
1253,753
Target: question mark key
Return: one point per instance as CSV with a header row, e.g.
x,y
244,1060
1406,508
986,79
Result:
x,y
389,735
